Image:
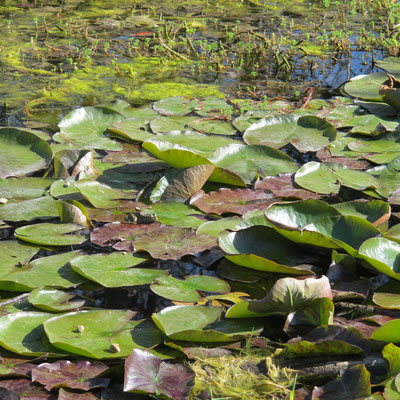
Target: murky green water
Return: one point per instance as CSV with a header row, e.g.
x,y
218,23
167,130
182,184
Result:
x,y
56,55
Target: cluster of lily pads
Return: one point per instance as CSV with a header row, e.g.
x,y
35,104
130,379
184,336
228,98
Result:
x,y
281,211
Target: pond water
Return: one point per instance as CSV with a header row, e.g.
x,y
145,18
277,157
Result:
x,y
57,55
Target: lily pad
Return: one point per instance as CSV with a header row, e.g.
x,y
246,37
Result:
x,y
262,248
145,372
168,124
52,271
48,234
182,157
306,133
28,210
179,186
212,126
365,87
22,152
54,300
348,231
24,188
283,185
131,129
187,290
82,375
253,161
101,334
213,228
85,127
389,332
175,106
23,333
115,269
238,201
383,255
286,296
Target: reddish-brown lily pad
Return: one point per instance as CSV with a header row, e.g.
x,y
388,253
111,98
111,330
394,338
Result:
x,y
283,185
81,375
68,395
164,242
238,201
145,372
26,389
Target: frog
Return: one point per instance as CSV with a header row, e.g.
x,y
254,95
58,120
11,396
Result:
x,y
141,216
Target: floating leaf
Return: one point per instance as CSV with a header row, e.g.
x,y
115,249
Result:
x,y
253,161
196,324
48,234
307,133
354,383
348,232
213,228
213,105
145,372
85,127
115,269
383,255
387,300
187,290
262,248
286,296
23,151
328,340
283,185
52,271
181,157
179,186
24,188
238,201
175,106
54,300
167,124
366,87
82,375
29,210
133,129
23,333
101,334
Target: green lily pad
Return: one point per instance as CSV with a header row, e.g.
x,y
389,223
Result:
x,y
262,248
212,126
23,333
52,272
306,133
389,332
182,157
387,300
178,186
101,334
85,127
348,231
197,324
167,124
286,296
101,195
253,161
375,211
131,129
199,143
372,125
326,178
54,300
28,210
22,152
289,219
387,143
115,269
389,64
175,106
365,87
48,234
213,106
383,255
213,228
24,188
187,290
